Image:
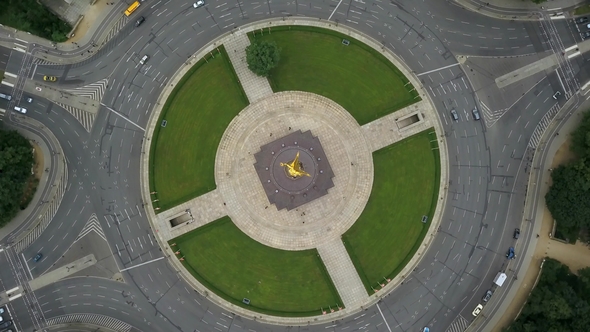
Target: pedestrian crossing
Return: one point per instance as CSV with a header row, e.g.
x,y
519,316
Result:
x,y
86,119
116,28
95,319
42,62
543,124
91,226
460,324
93,90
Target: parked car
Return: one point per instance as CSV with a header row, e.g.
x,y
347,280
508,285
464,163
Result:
x,y
487,296
425,329
516,233
510,254
454,115
50,78
581,20
475,114
38,257
477,310
6,324
586,35
199,3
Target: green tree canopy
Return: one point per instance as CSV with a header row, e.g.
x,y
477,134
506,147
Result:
x,y
16,160
262,57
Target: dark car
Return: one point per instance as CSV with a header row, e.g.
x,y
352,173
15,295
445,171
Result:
x,y
516,233
510,254
488,295
6,324
581,20
586,35
139,21
38,257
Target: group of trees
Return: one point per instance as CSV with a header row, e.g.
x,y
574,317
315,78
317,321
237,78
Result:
x,y
33,17
568,198
16,160
559,303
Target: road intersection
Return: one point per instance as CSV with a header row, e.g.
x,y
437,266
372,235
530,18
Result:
x,y
489,164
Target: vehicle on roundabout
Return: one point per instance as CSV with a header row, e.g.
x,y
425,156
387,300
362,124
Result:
x,y
510,254
516,233
49,78
426,329
38,257
581,20
199,3
487,296
477,310
21,110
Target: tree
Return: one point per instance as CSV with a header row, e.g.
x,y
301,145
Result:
x,y
262,56
16,160
581,138
538,1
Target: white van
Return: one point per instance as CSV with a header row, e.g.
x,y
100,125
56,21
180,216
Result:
x,y
20,109
7,97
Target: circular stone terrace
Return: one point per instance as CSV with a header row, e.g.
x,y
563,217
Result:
x,y
317,223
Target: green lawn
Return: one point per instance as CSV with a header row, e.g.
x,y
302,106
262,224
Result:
x,y
278,282
357,77
197,112
389,231
585,9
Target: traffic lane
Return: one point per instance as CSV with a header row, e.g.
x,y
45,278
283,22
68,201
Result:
x,y
21,314
99,297
8,280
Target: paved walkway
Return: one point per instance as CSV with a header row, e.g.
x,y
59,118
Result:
x,y
343,273
197,212
256,87
393,127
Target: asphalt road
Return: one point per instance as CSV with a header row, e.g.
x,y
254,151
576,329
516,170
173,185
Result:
x,y
488,164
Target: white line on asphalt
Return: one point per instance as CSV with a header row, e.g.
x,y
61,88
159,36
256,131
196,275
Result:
x,y
441,68
573,54
144,263
12,290
27,265
381,312
9,84
10,75
571,48
334,10
15,297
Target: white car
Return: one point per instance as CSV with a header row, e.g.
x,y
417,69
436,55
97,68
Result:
x,y
144,59
199,3
20,109
477,310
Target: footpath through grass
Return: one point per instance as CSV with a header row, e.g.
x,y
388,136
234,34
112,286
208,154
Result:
x,y
390,230
356,76
31,16
234,266
182,157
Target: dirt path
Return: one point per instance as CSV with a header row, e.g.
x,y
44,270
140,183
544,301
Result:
x,y
89,19
575,256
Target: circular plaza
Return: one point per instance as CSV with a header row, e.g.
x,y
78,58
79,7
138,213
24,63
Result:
x,y
298,198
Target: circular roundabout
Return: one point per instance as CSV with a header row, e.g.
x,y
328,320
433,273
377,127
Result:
x,y
304,197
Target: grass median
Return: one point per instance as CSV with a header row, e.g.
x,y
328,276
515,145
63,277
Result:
x,y
390,230
182,157
234,266
355,76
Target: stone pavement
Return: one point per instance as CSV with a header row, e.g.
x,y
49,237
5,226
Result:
x,y
343,273
282,126
256,87
203,210
392,128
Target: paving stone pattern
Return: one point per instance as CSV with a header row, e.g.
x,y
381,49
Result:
x,y
256,87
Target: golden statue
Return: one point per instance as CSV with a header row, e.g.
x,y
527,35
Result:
x,y
294,168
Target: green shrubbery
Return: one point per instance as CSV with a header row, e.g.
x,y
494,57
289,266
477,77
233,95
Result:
x,y
31,16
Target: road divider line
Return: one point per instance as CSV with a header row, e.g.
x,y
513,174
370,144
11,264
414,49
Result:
x,y
144,263
571,48
27,265
441,68
22,41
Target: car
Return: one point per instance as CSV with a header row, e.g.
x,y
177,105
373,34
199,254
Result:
x,y
556,94
49,78
475,114
144,59
6,324
477,310
581,20
199,3
1,311
426,329
29,100
510,254
139,21
38,257
516,233
586,35
454,115
20,109
7,97
487,296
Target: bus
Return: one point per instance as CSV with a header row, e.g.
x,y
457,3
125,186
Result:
x,y
132,8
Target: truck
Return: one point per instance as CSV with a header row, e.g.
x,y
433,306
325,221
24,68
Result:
x,y
500,278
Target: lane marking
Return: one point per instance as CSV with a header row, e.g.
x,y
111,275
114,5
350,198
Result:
x,y
441,68
144,263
